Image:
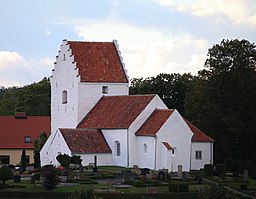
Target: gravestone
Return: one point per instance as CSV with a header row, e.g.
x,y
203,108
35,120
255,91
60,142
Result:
x,y
161,175
179,173
144,171
245,177
185,176
149,176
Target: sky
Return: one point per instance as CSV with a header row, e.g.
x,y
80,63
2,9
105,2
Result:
x,y
154,36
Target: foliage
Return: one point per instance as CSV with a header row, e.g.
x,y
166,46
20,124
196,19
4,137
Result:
x,y
38,145
65,160
171,88
138,183
216,191
220,170
84,194
221,100
173,186
33,99
50,177
208,170
5,174
183,187
23,161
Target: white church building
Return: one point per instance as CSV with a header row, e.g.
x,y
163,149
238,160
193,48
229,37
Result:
x,y
92,114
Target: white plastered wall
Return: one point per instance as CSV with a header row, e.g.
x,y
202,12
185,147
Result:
x,y
103,159
207,154
120,135
133,149
54,146
176,132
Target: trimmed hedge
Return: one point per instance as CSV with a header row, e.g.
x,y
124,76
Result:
x,y
208,170
178,187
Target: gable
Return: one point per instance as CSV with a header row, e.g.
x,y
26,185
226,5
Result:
x,y
85,141
199,136
116,111
154,122
98,62
13,130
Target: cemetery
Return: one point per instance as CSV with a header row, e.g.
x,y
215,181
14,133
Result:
x,y
113,181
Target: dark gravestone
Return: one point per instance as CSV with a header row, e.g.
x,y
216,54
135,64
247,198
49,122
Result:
x,y
16,178
161,175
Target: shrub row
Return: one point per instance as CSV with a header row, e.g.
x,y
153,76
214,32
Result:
x,y
178,187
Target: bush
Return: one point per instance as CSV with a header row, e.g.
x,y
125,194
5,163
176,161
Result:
x,y
208,170
183,187
37,176
220,170
138,183
5,173
84,194
50,177
173,187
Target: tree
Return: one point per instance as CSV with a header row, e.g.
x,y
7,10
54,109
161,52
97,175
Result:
x,y
5,174
171,88
38,145
222,99
50,177
23,161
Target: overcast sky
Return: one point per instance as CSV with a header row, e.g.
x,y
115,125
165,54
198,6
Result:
x,y
154,36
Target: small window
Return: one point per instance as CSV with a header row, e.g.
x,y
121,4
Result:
x,y
174,151
198,155
118,148
64,57
105,89
64,97
4,159
27,139
145,148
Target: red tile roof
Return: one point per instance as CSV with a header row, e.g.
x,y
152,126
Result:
x,y
199,136
13,131
85,141
167,145
154,122
116,111
98,61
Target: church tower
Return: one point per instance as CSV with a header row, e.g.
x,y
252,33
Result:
x,y
82,74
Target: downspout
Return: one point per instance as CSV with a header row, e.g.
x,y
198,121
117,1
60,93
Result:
x,y
155,151
190,155
211,160
128,154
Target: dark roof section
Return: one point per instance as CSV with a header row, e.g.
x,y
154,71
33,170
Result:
x,y
98,62
199,136
154,122
115,112
85,141
14,130
167,145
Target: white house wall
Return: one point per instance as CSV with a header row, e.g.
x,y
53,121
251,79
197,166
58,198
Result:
x,y
146,158
53,147
176,132
155,103
120,135
64,78
90,93
103,159
207,149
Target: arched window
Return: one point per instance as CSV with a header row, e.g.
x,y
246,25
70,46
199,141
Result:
x,y
64,97
145,148
118,148
174,150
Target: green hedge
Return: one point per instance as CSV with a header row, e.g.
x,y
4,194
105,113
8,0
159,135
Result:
x,y
208,170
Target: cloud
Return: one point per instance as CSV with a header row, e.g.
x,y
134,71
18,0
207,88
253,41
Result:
x,y
15,70
237,11
146,51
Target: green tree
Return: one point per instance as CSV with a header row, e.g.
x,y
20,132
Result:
x,y
23,161
171,88
5,174
38,145
50,177
221,100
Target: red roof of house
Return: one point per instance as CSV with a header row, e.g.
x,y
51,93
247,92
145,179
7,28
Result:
x,y
199,136
98,61
85,141
13,131
115,111
167,145
154,122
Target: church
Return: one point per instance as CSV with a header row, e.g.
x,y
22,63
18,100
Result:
x,y
92,114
